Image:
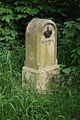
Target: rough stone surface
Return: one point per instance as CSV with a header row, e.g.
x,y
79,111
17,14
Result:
x,y
41,52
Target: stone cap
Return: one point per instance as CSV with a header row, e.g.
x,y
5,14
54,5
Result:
x,y
37,25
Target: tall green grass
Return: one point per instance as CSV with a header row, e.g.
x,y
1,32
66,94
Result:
x,y
29,104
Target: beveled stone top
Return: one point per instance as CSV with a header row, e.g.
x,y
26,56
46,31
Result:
x,y
38,24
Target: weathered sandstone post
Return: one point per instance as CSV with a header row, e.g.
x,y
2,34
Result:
x,y
41,52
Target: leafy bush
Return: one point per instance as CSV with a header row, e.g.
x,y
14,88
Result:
x,y
69,52
16,104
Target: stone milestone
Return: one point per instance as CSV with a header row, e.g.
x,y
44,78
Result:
x,y
40,52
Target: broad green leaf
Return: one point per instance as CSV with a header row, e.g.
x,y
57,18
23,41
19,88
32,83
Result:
x,y
78,51
78,25
67,71
7,18
32,11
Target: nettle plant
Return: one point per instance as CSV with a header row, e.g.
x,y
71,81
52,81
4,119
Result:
x,y
69,52
15,15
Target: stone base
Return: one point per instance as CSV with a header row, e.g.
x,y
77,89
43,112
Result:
x,y
41,77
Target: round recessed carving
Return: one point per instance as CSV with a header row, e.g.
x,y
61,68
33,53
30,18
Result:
x,y
47,33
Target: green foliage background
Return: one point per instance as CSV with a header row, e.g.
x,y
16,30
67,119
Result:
x,y
14,17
